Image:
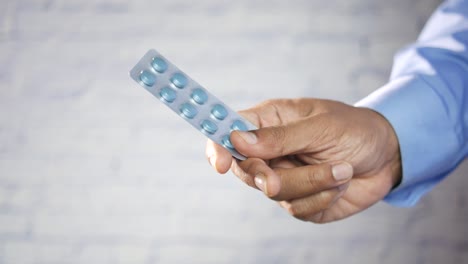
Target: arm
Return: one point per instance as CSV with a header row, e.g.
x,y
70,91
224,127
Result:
x,y
324,160
426,102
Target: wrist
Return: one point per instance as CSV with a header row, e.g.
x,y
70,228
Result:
x,y
393,151
391,144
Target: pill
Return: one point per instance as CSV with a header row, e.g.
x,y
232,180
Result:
x,y
238,125
219,112
188,110
190,100
167,94
159,65
227,142
209,126
199,96
179,80
147,78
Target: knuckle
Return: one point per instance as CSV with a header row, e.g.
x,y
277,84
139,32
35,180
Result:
x,y
278,133
245,166
270,102
268,106
322,201
250,167
241,174
326,199
313,178
303,106
278,138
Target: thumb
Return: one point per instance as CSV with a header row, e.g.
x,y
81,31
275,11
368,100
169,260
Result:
x,y
275,141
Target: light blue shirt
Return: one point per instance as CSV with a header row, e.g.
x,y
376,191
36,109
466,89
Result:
x,y
426,101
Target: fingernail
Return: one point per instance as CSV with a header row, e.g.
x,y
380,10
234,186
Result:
x,y
260,182
249,137
212,161
342,171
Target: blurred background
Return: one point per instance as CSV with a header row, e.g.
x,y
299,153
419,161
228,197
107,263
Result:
x,y
93,169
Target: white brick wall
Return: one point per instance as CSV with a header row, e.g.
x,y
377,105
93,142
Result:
x,y
94,170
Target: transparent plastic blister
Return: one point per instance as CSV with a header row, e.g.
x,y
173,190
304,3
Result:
x,y
189,99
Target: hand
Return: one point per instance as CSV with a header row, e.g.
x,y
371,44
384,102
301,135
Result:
x,y
321,160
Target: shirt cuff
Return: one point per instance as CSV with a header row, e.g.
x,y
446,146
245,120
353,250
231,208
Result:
x,y
418,117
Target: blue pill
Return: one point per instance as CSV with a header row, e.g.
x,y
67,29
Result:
x,y
238,125
209,126
219,112
147,78
159,65
227,142
199,96
179,80
167,94
188,110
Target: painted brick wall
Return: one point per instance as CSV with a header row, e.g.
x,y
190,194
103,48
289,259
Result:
x,y
94,170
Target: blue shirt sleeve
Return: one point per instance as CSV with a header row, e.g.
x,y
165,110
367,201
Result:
x,y
426,101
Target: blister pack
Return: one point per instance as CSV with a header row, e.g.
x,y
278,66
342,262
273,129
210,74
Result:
x,y
189,99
